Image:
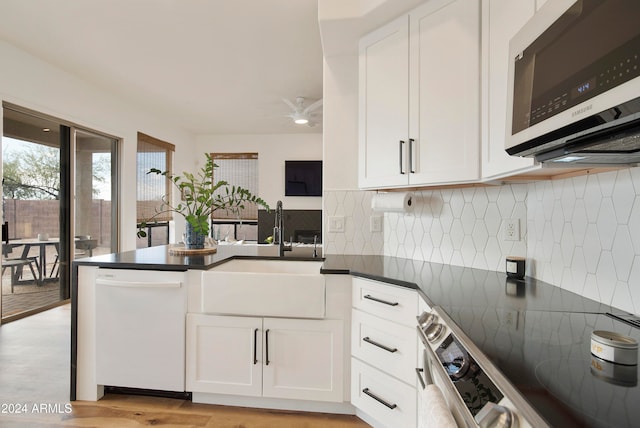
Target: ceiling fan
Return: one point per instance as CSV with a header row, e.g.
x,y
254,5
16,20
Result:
x,y
303,115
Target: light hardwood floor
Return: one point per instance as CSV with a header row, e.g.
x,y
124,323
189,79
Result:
x,y
34,380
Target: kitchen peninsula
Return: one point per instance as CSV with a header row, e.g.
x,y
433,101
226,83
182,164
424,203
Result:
x,y
536,333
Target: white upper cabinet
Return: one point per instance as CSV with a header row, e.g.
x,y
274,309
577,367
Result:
x,y
444,113
501,20
384,105
419,98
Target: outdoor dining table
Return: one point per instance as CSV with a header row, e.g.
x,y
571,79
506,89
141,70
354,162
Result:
x,y
42,244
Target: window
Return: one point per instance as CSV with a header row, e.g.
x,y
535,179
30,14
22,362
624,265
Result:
x,y
151,188
239,169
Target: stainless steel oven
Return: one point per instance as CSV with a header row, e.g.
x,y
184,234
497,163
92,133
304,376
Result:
x,y
476,392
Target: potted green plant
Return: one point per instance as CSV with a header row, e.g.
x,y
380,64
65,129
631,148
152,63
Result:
x,y
200,198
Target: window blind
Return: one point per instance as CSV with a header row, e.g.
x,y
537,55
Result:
x,y
238,169
152,153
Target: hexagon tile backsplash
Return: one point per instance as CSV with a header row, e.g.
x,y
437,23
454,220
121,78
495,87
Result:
x,y
580,233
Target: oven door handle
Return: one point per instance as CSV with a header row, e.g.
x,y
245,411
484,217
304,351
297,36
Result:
x,y
423,382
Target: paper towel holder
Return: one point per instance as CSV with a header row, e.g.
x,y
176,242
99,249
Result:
x,y
401,202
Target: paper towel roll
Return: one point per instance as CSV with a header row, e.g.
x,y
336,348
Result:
x,y
434,412
394,202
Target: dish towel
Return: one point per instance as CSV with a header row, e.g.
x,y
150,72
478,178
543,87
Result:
x,y
433,409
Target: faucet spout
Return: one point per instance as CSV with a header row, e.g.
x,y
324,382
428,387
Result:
x,y
278,231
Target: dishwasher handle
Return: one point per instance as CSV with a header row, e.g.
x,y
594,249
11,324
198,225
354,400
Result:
x,y
136,284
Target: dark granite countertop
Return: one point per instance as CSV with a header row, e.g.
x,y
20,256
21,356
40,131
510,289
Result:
x,y
440,285
450,286
159,258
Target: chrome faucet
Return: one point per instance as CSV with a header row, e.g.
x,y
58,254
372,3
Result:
x,y
315,246
278,231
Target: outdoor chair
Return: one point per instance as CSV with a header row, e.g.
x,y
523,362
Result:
x,y
83,244
17,266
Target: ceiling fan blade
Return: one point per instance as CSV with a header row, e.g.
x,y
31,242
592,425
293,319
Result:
x,y
290,104
313,106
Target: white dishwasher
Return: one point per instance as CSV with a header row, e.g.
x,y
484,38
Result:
x,y
140,329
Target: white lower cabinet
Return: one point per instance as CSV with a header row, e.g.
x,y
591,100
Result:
x,y
222,353
382,397
384,353
384,344
268,357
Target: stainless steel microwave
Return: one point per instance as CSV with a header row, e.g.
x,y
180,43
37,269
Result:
x,y
574,84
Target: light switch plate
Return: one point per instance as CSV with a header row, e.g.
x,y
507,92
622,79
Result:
x,y
375,223
336,224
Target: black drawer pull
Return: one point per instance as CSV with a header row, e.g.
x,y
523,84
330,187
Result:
x,y
378,399
370,297
380,345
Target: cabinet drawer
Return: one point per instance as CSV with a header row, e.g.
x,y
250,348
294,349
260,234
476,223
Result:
x,y
386,301
385,345
389,401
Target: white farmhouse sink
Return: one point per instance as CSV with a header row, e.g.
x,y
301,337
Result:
x,y
282,288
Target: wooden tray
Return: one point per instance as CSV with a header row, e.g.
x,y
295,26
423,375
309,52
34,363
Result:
x,y
180,250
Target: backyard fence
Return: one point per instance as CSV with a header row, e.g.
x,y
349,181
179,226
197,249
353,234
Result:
x,y
28,218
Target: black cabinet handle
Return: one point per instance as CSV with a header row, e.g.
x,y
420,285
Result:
x,y
255,346
411,170
379,345
378,399
400,156
266,347
370,297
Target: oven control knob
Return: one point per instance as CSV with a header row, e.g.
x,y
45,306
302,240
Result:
x,y
434,331
426,319
495,416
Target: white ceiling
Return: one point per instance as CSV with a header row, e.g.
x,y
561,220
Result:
x,y
211,66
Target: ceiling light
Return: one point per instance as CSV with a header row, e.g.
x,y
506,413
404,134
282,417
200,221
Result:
x,y
46,129
300,118
567,159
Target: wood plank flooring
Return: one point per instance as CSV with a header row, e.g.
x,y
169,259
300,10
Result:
x,y
34,377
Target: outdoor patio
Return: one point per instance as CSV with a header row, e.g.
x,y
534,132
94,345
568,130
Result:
x,y
27,294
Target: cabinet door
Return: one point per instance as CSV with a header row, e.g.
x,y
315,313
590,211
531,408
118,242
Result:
x,y
501,20
384,105
224,354
445,92
303,359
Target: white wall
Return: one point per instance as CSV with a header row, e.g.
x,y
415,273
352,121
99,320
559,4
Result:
x,y
340,138
34,84
273,150
341,195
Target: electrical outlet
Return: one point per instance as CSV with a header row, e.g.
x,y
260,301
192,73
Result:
x,y
375,223
512,229
336,224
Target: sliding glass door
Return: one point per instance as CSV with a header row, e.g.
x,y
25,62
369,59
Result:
x,y
58,188
95,210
